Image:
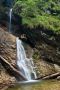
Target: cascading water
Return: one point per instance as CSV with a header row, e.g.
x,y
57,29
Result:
x,y
10,17
25,65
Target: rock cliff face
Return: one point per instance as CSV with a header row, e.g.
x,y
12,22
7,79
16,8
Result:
x,y
46,46
47,43
9,72
8,46
45,54
8,51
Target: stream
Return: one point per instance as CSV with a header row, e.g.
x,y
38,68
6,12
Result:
x,y
39,85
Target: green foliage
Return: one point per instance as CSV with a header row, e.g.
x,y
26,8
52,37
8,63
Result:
x,y
45,13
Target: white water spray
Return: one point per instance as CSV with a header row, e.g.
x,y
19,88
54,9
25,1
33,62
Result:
x,y
10,18
25,65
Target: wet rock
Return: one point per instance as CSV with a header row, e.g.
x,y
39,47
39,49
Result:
x,y
57,67
58,78
46,41
43,68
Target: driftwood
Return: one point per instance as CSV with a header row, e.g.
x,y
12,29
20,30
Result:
x,y
52,76
11,70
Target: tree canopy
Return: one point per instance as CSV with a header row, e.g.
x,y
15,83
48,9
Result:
x,y
43,13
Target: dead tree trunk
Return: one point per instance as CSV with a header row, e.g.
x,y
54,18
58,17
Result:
x,y
52,76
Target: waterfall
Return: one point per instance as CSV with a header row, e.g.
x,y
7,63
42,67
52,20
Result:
x,y
25,64
10,18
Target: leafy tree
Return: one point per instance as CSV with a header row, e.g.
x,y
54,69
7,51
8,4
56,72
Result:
x,y
43,13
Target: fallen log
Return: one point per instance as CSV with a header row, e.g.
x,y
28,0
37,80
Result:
x,y
11,70
52,76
